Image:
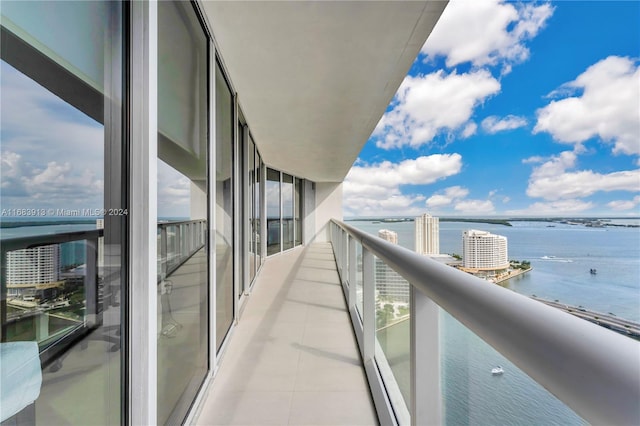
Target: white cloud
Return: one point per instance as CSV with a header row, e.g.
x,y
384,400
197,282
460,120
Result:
x,y
486,32
447,197
56,185
555,208
469,130
620,205
375,189
427,104
475,207
455,196
552,181
608,107
422,170
493,124
532,160
174,192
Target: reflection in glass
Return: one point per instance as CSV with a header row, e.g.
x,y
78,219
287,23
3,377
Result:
x,y
257,205
224,207
298,211
392,329
359,279
273,211
182,210
251,226
60,295
287,211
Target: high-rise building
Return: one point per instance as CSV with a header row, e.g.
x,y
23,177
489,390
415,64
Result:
x,y
32,269
388,235
427,234
484,251
389,284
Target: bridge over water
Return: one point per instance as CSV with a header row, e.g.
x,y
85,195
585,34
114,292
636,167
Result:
x,y
610,321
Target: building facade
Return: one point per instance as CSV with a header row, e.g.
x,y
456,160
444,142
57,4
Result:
x,y
390,286
427,233
388,235
484,251
33,272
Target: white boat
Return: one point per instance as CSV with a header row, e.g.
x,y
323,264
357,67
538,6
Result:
x,y
496,371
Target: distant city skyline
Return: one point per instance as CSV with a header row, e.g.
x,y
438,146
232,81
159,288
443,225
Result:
x,y
533,109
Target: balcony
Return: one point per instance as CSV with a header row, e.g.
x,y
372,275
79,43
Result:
x,y
293,357
310,365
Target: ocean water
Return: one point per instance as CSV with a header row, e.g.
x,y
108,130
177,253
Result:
x,y
561,256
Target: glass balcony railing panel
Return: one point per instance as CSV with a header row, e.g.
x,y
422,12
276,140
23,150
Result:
x,y
273,236
47,290
287,233
358,266
480,386
393,342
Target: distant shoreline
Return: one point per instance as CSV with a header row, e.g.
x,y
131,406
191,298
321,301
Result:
x,y
24,223
584,221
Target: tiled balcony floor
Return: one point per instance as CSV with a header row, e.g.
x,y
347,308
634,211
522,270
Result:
x,y
293,357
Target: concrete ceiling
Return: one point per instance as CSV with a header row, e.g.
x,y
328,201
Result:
x,y
314,78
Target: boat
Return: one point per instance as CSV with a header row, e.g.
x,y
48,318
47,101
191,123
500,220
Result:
x,y
593,271
496,371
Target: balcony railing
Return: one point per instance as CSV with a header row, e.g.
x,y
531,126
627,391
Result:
x,y
177,242
593,370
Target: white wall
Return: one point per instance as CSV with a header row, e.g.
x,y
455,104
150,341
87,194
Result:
x,y
309,212
328,206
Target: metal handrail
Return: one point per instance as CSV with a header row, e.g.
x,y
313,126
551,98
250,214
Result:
x,y
179,222
168,269
593,370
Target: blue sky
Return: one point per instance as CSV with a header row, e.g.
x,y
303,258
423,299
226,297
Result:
x,y
512,109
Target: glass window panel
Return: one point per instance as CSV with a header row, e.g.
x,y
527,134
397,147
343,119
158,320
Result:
x,y
298,211
287,211
224,207
182,209
273,211
251,226
242,187
258,209
60,302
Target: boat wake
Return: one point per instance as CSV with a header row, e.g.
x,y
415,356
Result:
x,y
556,259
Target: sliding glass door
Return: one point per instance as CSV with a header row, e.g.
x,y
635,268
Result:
x,y
62,274
182,265
224,207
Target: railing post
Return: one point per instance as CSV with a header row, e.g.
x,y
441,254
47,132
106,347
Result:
x,y
93,316
426,397
164,261
368,306
353,268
